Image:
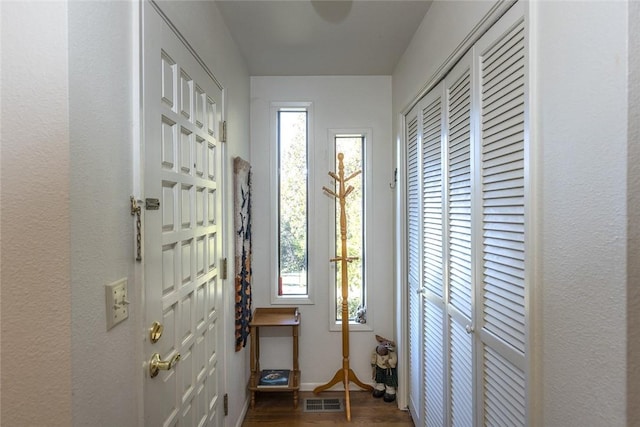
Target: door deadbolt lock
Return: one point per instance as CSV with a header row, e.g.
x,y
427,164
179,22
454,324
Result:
x,y
155,332
156,364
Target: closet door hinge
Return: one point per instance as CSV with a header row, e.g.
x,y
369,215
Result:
x,y
223,269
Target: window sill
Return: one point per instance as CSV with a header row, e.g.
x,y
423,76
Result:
x,y
353,327
292,300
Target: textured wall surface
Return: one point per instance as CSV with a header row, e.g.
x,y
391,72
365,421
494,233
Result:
x,y
105,369
36,331
581,78
633,211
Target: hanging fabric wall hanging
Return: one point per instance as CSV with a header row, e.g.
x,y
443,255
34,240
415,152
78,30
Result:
x,y
242,261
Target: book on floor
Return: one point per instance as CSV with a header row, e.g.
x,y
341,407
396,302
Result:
x,y
274,378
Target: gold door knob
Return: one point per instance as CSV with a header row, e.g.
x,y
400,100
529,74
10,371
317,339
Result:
x,y
156,364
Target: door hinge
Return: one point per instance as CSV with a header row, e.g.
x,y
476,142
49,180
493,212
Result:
x,y
223,131
223,268
226,404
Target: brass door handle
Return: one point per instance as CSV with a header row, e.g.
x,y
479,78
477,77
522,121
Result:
x,y
156,364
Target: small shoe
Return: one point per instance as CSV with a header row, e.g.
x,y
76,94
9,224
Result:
x,y
389,397
378,393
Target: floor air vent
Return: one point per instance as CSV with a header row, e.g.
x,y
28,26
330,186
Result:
x,y
323,405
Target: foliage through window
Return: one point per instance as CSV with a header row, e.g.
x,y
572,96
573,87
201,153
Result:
x,y
352,146
292,202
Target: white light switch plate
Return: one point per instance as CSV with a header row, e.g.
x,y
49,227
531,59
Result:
x,y
116,302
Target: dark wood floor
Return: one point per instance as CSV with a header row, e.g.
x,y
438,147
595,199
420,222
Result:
x,y
276,409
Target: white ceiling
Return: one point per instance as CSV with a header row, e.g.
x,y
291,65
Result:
x,y
322,37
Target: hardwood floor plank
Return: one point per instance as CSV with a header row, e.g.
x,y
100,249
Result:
x,y
276,409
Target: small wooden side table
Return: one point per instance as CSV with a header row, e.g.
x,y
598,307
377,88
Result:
x,y
274,316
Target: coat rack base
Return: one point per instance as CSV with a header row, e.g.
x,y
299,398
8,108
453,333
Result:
x,y
344,376
339,377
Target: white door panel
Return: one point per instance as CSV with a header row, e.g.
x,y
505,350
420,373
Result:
x,y
459,182
182,107
414,267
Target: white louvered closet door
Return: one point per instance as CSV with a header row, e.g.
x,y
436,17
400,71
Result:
x,y
433,291
458,249
467,201
501,62
414,251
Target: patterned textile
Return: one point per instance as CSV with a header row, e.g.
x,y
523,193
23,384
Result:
x,y
242,228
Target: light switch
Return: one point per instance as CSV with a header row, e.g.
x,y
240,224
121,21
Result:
x,y
116,302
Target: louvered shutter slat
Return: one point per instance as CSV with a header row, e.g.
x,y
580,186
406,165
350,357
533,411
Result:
x,y
459,192
493,83
496,288
501,109
434,368
413,256
504,391
514,144
459,90
432,198
461,376
501,57
511,90
504,46
504,300
510,97
498,252
502,174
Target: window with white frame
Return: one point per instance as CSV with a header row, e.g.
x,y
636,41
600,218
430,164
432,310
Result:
x,y
298,247
354,145
292,202
292,207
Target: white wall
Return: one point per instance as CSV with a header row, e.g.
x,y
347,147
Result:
x,y
67,174
444,27
101,116
633,228
580,130
338,103
36,318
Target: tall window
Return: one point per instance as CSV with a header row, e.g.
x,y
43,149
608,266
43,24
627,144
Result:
x,y
292,202
353,148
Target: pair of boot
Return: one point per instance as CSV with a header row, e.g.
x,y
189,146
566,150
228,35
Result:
x,y
387,393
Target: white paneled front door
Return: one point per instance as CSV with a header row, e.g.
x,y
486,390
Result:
x,y
182,108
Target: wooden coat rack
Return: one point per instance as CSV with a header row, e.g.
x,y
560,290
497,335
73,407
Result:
x,y
345,374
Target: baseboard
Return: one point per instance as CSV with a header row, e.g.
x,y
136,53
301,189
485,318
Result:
x,y
243,412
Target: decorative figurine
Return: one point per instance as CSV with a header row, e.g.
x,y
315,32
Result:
x,y
384,361
361,314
